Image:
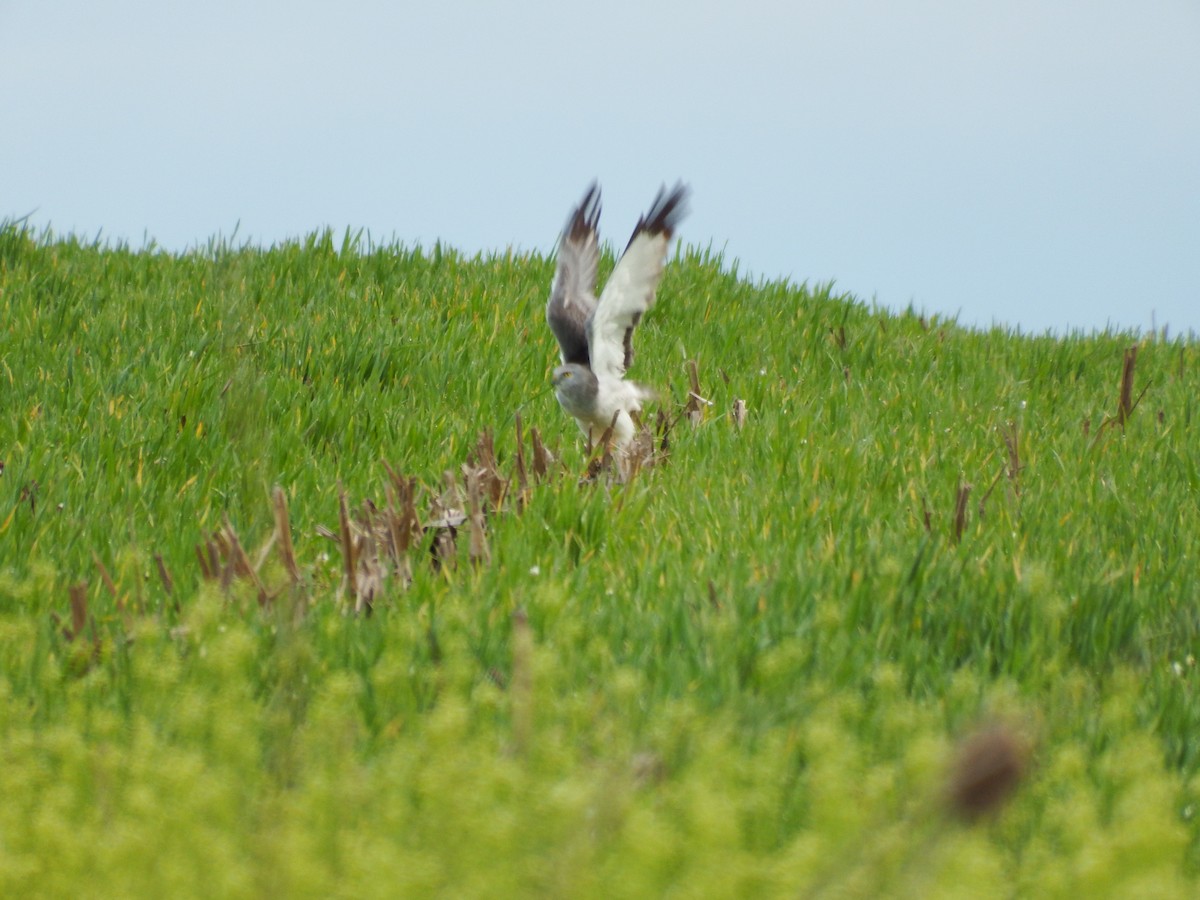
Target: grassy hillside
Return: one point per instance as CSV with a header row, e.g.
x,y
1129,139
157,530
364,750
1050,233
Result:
x,y
748,671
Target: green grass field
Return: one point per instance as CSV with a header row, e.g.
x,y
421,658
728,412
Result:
x,y
746,672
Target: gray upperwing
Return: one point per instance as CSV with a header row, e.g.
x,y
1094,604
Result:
x,y
572,297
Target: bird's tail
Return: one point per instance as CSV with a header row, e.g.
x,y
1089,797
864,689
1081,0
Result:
x,y
643,392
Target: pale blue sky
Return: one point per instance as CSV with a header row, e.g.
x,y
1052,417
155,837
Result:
x,y
1027,163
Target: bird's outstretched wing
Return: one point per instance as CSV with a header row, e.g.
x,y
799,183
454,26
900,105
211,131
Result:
x,y
630,289
572,297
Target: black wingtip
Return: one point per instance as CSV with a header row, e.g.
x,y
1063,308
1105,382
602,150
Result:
x,y
666,212
585,218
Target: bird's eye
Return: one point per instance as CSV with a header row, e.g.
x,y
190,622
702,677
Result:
x,y
566,374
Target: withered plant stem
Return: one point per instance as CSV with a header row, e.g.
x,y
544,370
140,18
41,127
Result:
x,y
283,527
960,511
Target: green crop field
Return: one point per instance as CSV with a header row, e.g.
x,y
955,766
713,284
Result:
x,y
307,589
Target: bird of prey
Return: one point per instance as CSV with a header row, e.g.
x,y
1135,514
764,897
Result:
x,y
596,336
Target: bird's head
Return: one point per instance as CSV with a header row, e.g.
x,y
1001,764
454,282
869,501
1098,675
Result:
x,y
575,386
571,372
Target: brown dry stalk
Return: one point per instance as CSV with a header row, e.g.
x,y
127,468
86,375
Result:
x,y
479,551
229,570
283,528
1125,409
402,566
410,522
739,413
446,519
522,477
601,458
960,511
214,561
402,523
105,578
663,426
29,492
495,487
484,454
606,438
451,499
168,583
79,611
239,563
1012,443
541,456
988,493
220,540
483,460
694,409
206,574
638,455
406,524
370,575
346,542
265,550
713,600
1126,403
